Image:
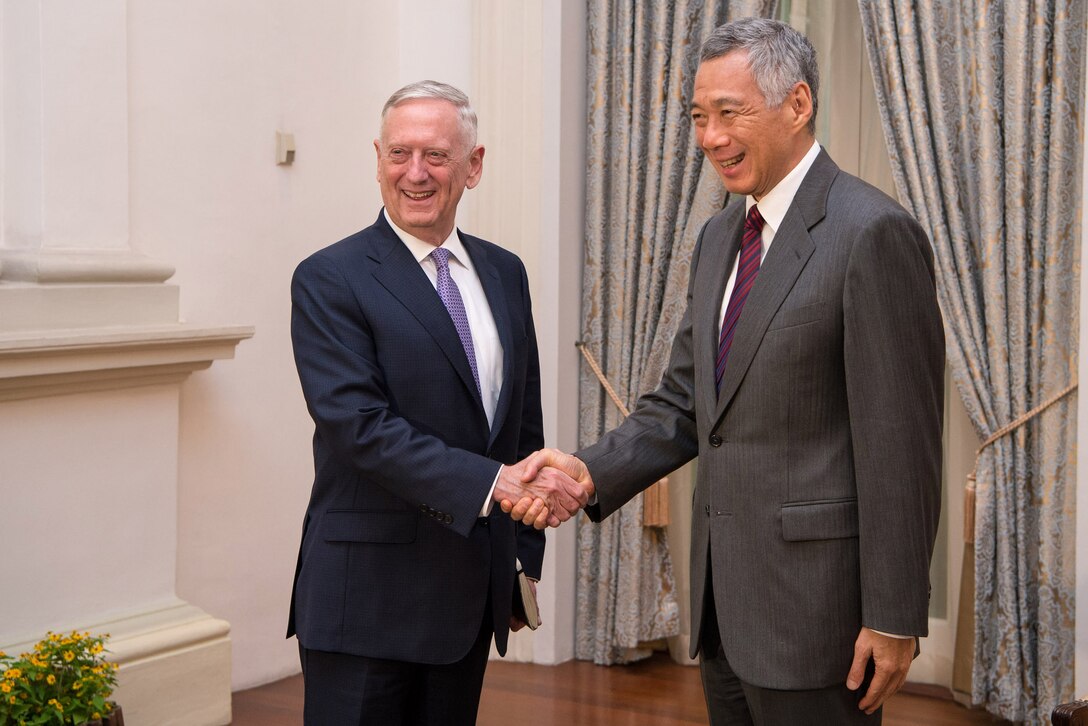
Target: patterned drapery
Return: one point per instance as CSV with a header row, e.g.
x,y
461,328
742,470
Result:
x,y
647,196
981,104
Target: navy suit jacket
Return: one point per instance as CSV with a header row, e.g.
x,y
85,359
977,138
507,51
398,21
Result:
x,y
394,561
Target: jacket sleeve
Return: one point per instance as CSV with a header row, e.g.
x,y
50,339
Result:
x,y
346,395
660,434
894,366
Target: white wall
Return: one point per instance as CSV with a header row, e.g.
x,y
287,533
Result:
x,y
209,84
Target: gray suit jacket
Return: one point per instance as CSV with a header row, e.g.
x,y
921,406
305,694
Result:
x,y
818,486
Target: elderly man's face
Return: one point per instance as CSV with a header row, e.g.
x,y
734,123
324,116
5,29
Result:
x,y
425,164
751,146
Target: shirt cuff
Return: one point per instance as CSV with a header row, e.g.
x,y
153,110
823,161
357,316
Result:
x,y
893,635
490,502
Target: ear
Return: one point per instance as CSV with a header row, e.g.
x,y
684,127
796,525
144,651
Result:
x,y
378,154
475,167
799,102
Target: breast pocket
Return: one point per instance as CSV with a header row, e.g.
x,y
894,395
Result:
x,y
794,316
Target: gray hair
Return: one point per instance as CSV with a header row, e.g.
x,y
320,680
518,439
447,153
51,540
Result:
x,y
778,56
441,92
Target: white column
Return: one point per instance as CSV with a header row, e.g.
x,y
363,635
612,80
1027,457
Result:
x,y
64,190
92,358
559,282
530,89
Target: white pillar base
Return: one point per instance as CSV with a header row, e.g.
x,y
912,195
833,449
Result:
x,y
174,665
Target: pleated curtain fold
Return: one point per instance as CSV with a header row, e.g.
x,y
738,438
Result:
x,y
982,107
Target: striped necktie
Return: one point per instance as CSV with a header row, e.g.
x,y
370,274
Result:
x,y
751,247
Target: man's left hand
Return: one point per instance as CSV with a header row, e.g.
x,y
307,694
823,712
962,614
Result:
x,y
892,657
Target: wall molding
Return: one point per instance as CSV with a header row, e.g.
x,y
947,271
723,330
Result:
x,y
49,266
34,364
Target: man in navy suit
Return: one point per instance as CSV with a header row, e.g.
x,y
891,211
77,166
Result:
x,y
417,355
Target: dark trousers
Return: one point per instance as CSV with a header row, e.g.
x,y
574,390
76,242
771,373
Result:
x,y
732,702
351,690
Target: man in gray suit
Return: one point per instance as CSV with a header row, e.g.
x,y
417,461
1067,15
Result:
x,y
807,377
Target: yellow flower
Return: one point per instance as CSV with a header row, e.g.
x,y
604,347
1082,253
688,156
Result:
x,y
51,679
56,704
3,654
96,716
96,649
77,685
12,673
69,656
11,700
5,687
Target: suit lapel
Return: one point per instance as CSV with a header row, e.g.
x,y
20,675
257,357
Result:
x,y
496,300
720,247
399,273
787,257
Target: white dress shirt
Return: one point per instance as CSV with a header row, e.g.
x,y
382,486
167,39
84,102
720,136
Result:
x,y
772,208
485,336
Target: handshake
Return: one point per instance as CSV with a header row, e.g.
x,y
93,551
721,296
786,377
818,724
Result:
x,y
544,489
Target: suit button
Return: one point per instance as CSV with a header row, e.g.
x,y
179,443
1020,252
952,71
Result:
x,y
447,518
715,440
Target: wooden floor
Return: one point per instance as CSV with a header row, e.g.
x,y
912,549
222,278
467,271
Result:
x,y
657,692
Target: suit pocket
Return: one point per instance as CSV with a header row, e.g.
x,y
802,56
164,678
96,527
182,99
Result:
x,y
345,525
828,519
792,317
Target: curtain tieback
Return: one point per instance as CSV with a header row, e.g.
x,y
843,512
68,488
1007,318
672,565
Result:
x,y
969,490
655,500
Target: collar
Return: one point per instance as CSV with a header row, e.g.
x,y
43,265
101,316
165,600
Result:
x,y
775,203
422,250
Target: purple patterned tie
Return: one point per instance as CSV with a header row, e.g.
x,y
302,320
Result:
x,y
751,247
451,298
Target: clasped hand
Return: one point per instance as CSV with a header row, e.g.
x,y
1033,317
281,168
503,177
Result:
x,y
545,489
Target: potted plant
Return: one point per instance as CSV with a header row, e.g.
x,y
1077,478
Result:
x,y
65,680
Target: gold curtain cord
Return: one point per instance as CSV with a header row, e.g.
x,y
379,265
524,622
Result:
x,y
655,500
969,490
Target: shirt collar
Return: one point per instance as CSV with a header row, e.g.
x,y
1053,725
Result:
x,y
775,203
422,250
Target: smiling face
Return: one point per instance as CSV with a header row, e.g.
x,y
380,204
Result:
x,y
751,146
425,163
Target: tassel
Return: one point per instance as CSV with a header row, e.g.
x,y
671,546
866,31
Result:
x,y
655,504
969,510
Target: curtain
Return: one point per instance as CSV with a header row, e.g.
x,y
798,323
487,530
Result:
x,y
981,105
647,196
